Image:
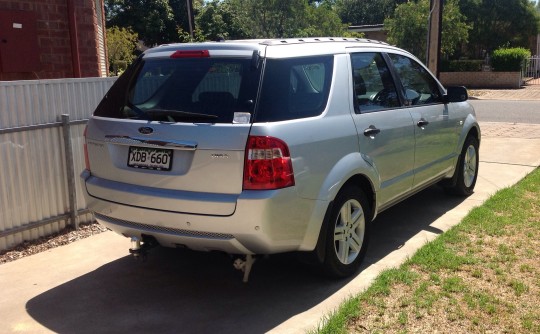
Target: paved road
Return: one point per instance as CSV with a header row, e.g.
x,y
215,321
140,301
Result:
x,y
507,111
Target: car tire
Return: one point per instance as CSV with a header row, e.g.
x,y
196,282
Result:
x,y
347,233
467,169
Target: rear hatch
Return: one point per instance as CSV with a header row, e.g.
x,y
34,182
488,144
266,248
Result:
x,y
171,133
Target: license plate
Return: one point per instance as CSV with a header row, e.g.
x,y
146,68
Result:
x,y
150,158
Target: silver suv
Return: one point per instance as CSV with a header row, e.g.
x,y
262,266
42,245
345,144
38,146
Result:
x,y
262,147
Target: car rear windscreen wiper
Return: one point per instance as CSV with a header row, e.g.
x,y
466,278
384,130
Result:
x,y
140,113
177,114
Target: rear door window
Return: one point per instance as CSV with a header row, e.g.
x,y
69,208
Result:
x,y
294,88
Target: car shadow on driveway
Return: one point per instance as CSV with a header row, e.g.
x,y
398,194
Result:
x,y
178,291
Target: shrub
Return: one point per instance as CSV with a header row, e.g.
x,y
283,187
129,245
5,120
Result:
x,y
461,65
509,59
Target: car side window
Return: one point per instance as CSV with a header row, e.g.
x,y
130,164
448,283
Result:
x,y
294,88
419,86
374,88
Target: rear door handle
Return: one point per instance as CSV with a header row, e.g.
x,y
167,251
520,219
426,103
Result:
x,y
422,122
371,131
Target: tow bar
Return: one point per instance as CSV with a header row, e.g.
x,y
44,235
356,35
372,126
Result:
x,y
140,246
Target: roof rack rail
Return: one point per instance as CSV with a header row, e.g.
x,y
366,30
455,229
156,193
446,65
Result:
x,y
319,40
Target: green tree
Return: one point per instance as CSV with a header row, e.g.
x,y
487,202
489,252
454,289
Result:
x,y
277,18
224,19
498,23
180,13
181,17
409,26
323,20
362,12
234,19
165,21
212,21
152,20
121,47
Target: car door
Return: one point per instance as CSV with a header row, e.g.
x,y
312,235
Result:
x,y
435,131
385,129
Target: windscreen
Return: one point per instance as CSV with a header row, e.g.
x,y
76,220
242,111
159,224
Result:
x,y
183,90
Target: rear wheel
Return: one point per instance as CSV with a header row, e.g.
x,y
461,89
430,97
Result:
x,y
347,233
467,168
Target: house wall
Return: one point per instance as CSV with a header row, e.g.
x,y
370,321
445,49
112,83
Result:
x,y
381,35
373,31
54,43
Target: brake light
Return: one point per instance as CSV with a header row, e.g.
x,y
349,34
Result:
x,y
267,164
86,160
191,54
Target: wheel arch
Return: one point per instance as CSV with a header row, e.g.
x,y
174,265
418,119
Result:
x,y
361,180
352,168
474,131
470,128
365,184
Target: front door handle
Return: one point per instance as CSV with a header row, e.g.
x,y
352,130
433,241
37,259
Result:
x,y
371,131
422,122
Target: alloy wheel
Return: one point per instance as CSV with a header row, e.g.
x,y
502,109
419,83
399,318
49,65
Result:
x,y
469,166
349,231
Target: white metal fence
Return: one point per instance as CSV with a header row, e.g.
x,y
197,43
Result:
x,y
41,157
532,68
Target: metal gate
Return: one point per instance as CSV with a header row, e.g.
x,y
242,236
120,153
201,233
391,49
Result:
x,y
531,72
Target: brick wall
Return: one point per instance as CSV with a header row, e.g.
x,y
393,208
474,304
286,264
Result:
x,y
54,42
481,79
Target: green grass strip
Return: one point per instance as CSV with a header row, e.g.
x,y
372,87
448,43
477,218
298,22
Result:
x,y
511,206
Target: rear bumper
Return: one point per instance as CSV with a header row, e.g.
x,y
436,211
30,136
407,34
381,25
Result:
x,y
161,199
264,222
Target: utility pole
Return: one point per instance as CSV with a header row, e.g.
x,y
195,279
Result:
x,y
434,35
189,7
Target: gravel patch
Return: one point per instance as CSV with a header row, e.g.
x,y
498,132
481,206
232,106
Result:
x,y
64,237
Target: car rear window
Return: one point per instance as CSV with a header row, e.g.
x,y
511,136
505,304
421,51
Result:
x,y
294,88
187,89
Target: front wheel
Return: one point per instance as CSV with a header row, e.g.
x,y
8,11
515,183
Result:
x,y
467,168
347,233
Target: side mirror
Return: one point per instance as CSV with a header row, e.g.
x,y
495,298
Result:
x,y
456,94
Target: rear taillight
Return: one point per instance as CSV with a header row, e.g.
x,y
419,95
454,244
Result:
x,y
86,161
267,164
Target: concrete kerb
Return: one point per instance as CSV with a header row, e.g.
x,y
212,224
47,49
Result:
x,y
526,93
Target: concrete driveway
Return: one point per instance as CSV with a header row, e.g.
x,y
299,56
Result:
x,y
93,286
